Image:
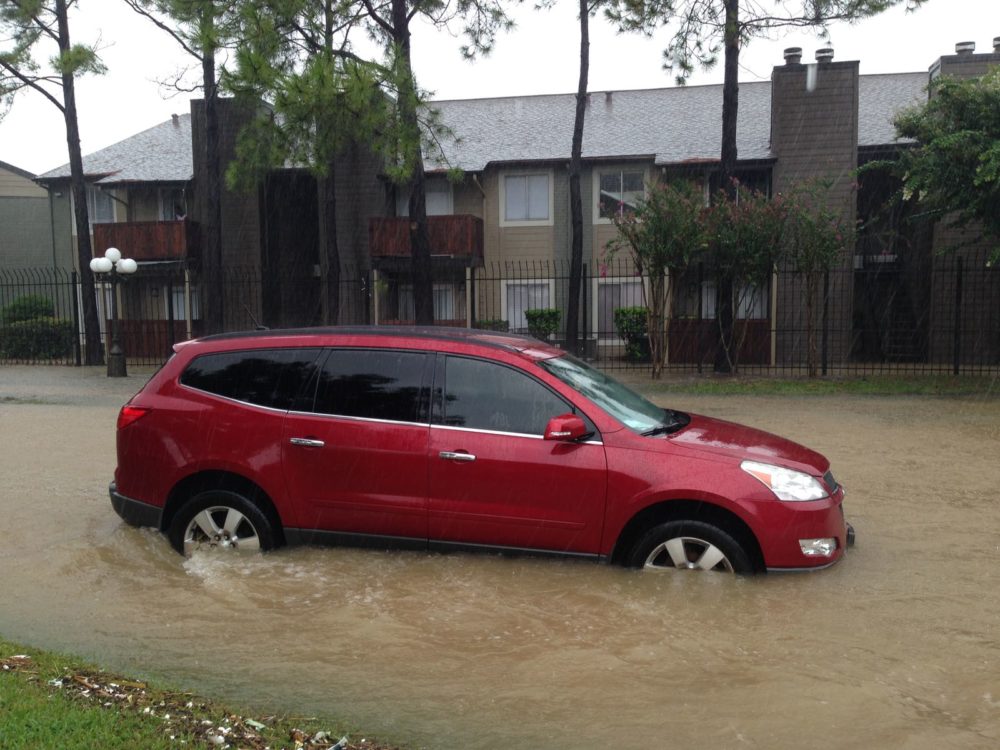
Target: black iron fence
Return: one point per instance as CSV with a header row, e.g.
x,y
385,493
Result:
x,y
878,317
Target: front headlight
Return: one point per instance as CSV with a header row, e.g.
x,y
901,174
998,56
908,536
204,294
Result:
x,y
786,484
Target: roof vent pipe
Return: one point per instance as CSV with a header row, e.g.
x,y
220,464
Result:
x,y
176,119
965,48
824,54
793,55
607,97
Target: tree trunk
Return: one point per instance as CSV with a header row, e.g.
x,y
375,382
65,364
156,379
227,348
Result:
x,y
329,249
212,291
84,248
420,262
575,197
724,356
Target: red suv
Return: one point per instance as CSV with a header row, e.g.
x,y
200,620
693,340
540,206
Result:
x,y
457,439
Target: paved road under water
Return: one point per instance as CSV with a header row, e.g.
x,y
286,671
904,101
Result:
x,y
897,647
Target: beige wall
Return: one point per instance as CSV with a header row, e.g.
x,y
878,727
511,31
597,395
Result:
x,y
13,185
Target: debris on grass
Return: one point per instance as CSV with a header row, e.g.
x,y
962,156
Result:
x,y
182,714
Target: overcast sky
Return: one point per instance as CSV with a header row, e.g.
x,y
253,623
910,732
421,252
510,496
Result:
x,y
540,56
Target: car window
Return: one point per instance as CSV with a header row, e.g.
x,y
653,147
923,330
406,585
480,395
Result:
x,y
265,377
489,396
372,383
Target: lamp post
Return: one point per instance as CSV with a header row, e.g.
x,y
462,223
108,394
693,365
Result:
x,y
113,263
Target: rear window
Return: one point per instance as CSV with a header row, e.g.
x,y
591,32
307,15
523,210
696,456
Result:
x,y
265,377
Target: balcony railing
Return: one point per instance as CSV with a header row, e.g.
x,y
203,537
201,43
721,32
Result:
x,y
452,236
149,240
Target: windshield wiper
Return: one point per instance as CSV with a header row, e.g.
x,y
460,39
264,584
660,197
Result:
x,y
674,420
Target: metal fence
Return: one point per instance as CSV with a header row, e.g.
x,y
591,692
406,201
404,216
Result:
x,y
879,317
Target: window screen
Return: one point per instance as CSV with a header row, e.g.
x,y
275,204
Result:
x,y
372,383
265,377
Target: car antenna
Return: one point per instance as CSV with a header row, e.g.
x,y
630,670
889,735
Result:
x,y
253,319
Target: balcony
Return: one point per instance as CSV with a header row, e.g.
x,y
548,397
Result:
x,y
457,237
149,240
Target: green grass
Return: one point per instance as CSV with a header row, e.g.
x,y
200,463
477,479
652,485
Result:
x,y
872,385
53,701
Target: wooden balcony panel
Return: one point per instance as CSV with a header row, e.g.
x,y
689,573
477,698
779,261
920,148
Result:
x,y
457,236
148,240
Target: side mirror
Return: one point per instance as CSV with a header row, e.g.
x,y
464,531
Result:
x,y
565,427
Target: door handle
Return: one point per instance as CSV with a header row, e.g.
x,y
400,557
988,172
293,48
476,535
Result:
x,y
456,456
307,442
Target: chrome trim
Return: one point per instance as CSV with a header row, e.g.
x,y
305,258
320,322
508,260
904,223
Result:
x,y
478,431
356,419
231,400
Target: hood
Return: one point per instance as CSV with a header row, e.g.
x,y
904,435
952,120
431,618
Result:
x,y
742,442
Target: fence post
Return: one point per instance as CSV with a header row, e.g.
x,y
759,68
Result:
x,y
958,318
826,321
699,338
76,319
581,342
170,311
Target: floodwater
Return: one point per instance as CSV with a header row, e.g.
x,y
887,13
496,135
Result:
x,y
896,647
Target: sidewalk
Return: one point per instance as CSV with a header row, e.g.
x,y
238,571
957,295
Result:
x,y
60,384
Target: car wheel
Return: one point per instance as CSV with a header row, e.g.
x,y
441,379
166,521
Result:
x,y
689,545
219,519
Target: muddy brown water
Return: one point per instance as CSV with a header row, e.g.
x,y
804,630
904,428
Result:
x,y
896,647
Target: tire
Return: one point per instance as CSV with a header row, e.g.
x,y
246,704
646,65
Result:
x,y
689,545
220,519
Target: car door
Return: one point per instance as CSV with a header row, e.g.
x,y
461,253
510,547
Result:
x,y
494,480
355,460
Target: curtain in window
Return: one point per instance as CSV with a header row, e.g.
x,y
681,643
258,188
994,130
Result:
x,y
521,296
526,197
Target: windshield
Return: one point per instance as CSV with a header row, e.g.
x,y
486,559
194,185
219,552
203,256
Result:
x,y
627,406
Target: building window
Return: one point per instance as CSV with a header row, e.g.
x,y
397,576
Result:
x,y
173,204
444,302
519,296
100,206
438,194
749,301
180,309
611,295
526,198
619,192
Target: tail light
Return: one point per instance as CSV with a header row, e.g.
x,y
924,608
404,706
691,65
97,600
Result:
x,y
130,414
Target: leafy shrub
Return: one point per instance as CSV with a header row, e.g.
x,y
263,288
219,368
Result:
x,y
493,324
630,322
28,307
543,322
41,338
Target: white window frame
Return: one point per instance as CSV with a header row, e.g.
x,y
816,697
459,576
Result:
x,y
596,188
548,221
504,296
596,312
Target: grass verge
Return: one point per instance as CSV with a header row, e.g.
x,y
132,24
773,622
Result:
x,y
53,701
871,385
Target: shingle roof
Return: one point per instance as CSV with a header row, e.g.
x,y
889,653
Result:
x,y
670,125
881,97
163,153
